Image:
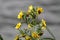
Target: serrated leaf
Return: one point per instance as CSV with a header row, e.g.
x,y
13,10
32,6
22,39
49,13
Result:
x,y
21,31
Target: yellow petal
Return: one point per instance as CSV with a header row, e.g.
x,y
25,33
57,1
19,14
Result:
x,y
35,35
43,24
30,7
43,28
20,15
29,26
18,26
28,38
39,10
17,37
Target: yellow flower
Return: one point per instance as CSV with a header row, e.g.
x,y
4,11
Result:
x,y
39,10
20,15
35,35
43,24
18,26
30,7
29,26
27,38
17,37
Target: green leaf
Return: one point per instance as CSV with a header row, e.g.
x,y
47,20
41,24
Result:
x,y
24,17
21,31
28,20
1,37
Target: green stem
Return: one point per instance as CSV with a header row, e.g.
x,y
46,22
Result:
x,y
50,33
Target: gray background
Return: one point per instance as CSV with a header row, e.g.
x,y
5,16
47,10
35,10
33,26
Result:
x,y
9,10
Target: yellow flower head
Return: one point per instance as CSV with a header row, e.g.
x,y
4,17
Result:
x,y
18,26
39,10
20,15
43,24
17,37
29,26
30,7
35,35
27,38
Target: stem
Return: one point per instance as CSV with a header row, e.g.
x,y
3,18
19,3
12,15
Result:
x,y
50,33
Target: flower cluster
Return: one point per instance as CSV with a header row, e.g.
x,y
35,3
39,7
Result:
x,y
35,28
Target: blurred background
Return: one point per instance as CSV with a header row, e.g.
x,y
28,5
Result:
x,y
9,10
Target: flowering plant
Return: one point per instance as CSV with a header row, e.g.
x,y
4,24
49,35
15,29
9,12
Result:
x,y
35,28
